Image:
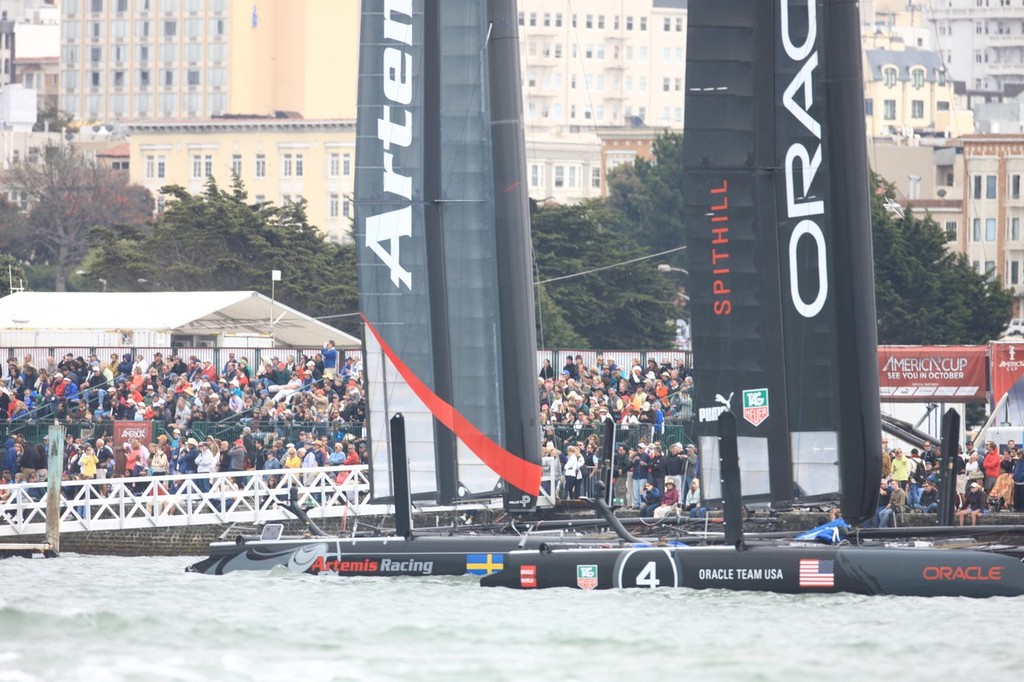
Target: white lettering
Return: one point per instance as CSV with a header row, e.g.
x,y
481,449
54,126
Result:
x,y
398,31
397,75
808,309
390,227
796,53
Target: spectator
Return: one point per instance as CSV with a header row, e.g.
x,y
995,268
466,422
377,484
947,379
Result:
x,y
573,471
669,501
992,465
975,504
650,500
693,501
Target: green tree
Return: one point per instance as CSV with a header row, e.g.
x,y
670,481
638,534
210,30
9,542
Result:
x,y
67,197
12,274
218,241
924,293
597,282
648,194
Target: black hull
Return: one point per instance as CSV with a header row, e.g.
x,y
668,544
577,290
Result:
x,y
391,556
782,569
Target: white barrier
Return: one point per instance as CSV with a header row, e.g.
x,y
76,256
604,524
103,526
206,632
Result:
x,y
246,497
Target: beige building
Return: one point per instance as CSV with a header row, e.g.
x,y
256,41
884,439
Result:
x,y
602,63
195,59
907,94
279,160
994,209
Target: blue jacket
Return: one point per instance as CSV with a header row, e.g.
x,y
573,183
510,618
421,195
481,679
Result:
x,y
1018,471
330,356
11,457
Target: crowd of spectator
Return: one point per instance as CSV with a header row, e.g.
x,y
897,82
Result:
x,y
178,390
992,479
641,400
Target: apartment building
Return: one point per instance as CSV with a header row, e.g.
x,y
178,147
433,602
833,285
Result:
x,y
994,209
981,41
602,63
195,59
279,160
907,93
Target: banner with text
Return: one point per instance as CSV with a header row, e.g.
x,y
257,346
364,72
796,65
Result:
x,y
932,373
125,431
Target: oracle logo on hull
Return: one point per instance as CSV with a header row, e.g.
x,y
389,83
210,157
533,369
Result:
x,y
970,573
394,128
803,204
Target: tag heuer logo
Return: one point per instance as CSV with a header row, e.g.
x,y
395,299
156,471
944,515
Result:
x,y
586,576
755,405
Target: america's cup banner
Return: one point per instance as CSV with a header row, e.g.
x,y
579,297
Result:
x,y
1007,367
932,373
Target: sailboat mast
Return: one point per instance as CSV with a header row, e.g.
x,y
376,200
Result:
x,y
520,401
445,456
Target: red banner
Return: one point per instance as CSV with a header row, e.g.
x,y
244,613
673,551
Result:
x,y
1007,366
932,373
125,431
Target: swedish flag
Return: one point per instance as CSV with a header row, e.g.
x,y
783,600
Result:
x,y
484,564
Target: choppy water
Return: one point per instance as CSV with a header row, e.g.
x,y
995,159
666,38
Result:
x,y
111,618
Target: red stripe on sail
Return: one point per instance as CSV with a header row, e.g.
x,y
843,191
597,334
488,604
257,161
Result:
x,y
518,472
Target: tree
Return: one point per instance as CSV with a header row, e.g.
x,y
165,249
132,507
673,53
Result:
x,y
613,297
67,196
925,294
12,274
649,197
217,241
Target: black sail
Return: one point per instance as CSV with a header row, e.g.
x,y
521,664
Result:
x,y
442,267
780,246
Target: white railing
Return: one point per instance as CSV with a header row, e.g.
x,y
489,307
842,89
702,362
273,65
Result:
x,y
245,497
158,501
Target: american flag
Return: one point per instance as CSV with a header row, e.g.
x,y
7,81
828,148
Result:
x,y
817,573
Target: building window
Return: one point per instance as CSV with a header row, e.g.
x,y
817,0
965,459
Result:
x,y
890,110
990,229
950,230
333,164
193,77
559,176
346,208
170,28
1014,229
990,269
643,23
286,199
595,178
976,186
197,166
917,108
346,164
286,166
298,165
1015,186
150,166
942,106
918,78
536,175
161,167
976,230
869,107
889,74
207,165
1014,272
236,165
261,166
332,205
990,187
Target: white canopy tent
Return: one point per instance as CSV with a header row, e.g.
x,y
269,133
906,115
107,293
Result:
x,y
235,313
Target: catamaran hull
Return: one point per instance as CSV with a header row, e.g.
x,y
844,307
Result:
x,y
790,570
422,556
